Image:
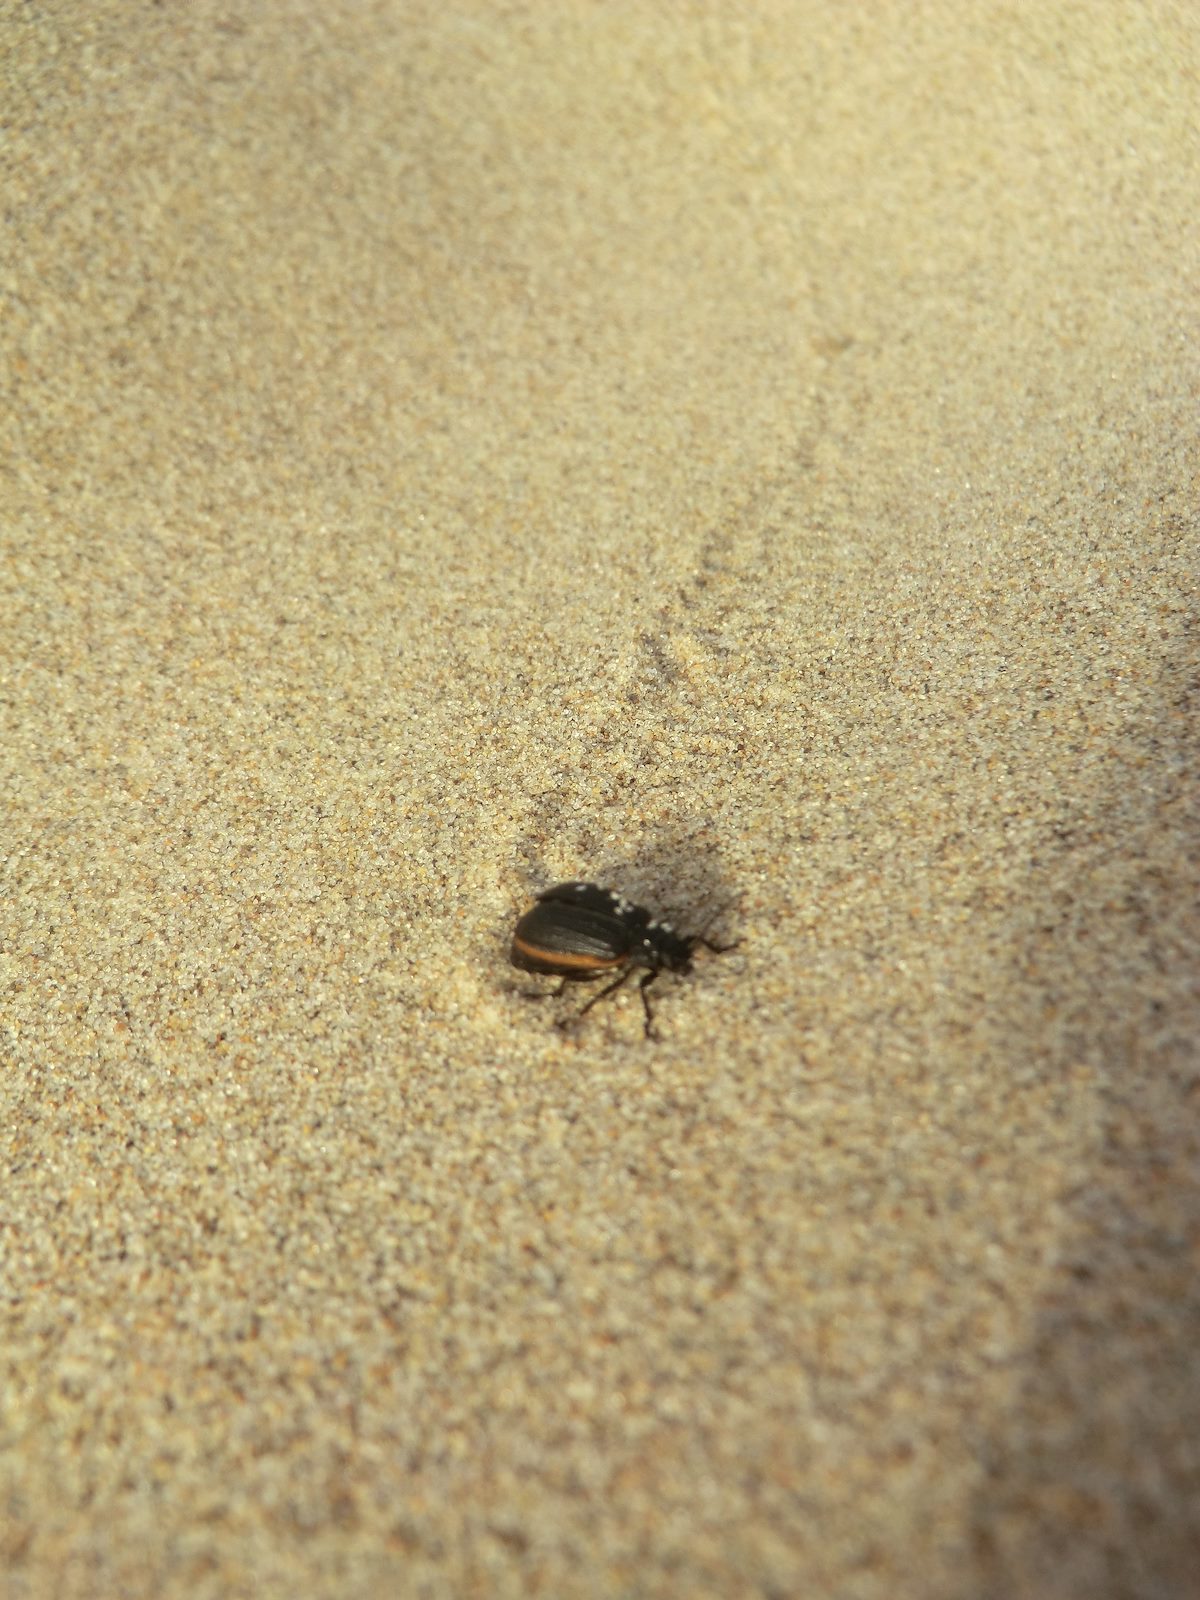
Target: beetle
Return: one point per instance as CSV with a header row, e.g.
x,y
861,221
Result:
x,y
580,932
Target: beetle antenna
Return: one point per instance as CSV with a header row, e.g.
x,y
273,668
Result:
x,y
702,936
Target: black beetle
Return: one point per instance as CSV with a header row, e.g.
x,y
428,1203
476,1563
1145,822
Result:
x,y
579,932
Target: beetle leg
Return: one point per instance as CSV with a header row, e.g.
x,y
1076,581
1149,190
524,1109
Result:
x,y
642,987
608,989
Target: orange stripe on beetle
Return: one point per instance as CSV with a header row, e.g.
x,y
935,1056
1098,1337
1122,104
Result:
x,y
536,958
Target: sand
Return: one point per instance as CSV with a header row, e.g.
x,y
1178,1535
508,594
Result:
x,y
736,454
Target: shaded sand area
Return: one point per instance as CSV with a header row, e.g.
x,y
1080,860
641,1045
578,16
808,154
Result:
x,y
726,452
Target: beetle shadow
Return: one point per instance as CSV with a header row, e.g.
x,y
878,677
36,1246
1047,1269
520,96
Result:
x,y
676,872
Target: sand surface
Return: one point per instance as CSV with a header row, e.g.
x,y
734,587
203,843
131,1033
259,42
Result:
x,y
721,451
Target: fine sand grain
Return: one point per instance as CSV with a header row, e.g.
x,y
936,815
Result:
x,y
735,453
